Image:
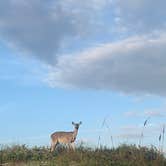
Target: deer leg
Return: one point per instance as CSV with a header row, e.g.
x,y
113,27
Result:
x,y
69,147
53,145
73,146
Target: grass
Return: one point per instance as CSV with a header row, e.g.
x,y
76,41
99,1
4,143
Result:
x,y
124,155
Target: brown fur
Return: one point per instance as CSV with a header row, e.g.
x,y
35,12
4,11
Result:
x,y
64,137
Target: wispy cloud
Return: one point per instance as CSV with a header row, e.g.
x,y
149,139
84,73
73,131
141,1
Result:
x,y
6,107
153,113
134,131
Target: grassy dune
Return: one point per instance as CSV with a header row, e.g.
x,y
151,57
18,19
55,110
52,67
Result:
x,y
124,155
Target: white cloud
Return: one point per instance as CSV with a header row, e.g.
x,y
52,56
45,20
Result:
x,y
136,65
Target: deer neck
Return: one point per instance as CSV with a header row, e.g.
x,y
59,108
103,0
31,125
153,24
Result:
x,y
75,133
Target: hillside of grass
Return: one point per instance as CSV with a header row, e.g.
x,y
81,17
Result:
x,y
124,155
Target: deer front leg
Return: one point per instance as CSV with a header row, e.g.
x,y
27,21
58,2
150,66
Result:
x,y
73,146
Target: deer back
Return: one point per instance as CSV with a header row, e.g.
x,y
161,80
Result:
x,y
62,137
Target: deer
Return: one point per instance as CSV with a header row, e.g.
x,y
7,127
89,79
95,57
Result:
x,y
62,137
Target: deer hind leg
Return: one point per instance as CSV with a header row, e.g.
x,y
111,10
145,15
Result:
x,y
53,145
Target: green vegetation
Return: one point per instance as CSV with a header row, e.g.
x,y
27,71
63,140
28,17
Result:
x,y
124,155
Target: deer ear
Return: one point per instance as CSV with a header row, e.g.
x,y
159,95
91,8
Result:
x,y
80,123
73,123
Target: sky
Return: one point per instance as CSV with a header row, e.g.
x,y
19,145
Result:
x,y
101,62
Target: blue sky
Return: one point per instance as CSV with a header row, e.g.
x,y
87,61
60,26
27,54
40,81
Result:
x,y
73,60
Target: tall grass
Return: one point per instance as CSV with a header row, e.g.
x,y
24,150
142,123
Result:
x,y
106,125
142,132
161,139
124,155
163,133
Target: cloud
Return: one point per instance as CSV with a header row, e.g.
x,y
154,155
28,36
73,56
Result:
x,y
41,28
155,113
140,16
151,113
47,30
133,114
129,135
133,66
134,131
